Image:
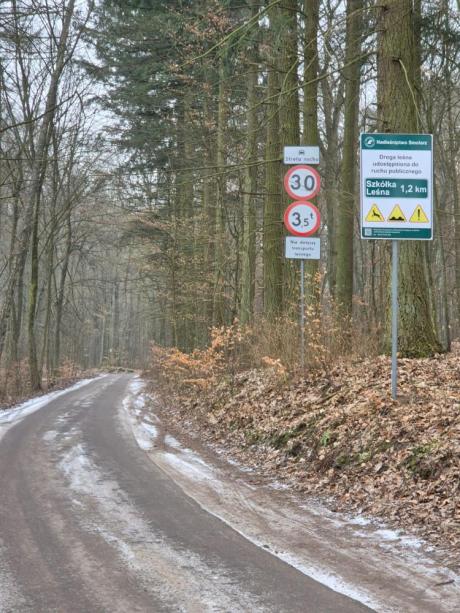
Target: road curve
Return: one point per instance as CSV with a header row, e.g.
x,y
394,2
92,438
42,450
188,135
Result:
x,y
88,525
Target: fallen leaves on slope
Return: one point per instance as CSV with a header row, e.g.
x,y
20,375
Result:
x,y
342,435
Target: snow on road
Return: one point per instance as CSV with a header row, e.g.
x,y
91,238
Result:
x,y
179,577
382,568
96,504
365,560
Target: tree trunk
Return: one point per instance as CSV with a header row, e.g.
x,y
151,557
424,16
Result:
x,y
397,99
346,210
38,171
273,210
310,118
61,291
219,303
250,182
209,211
289,124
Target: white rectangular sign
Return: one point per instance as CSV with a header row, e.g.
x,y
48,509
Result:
x,y
397,186
300,248
301,155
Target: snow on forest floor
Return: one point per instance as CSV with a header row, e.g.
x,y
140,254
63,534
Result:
x,y
12,415
370,561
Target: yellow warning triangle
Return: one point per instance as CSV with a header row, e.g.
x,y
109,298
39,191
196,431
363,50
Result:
x,y
419,215
396,214
375,214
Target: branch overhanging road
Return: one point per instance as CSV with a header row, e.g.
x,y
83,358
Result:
x,y
89,523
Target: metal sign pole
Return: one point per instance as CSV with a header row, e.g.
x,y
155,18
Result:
x,y
302,314
394,318
302,218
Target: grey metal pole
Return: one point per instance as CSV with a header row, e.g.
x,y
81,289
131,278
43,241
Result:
x,y
394,319
302,314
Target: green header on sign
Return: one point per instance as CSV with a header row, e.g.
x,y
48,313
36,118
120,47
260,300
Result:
x,y
403,142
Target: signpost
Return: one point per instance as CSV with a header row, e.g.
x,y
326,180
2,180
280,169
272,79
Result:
x,y
396,201
302,218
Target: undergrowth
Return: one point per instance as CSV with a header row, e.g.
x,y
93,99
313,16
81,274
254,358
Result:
x,y
15,380
267,344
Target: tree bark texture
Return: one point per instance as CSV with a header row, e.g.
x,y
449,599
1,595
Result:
x,y
346,209
273,210
250,183
398,111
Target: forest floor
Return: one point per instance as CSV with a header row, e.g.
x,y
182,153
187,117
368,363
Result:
x,y
339,436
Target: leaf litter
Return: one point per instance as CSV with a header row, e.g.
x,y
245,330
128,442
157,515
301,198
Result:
x,y
339,436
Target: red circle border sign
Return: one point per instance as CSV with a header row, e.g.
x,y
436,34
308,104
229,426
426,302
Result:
x,y
292,170
293,230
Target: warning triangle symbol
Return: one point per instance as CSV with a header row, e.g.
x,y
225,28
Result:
x,y
396,214
419,215
375,214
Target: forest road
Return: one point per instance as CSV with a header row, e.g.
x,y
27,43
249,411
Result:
x,y
88,524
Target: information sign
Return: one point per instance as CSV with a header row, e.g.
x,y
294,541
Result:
x,y
302,182
300,248
302,218
301,155
397,186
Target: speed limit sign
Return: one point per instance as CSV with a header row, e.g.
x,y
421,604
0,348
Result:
x,y
302,218
302,182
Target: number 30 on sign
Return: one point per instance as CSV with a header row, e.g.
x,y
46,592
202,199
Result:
x,y
302,218
302,182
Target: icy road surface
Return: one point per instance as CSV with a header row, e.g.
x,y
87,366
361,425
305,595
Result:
x,y
101,510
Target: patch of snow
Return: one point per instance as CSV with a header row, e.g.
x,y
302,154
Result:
x,y
187,464
264,521
330,580
139,402
383,536
276,485
50,436
136,385
74,465
387,535
410,542
241,467
17,413
183,579
172,442
145,432
150,428
144,442
359,521
376,530
322,575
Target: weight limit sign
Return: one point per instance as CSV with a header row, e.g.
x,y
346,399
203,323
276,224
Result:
x,y
302,218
